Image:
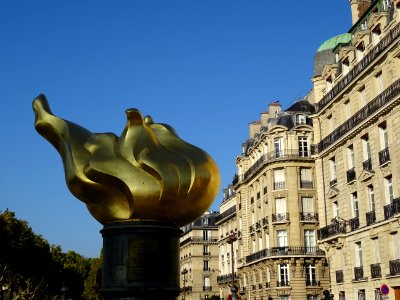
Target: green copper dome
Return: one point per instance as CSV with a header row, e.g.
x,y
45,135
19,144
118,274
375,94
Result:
x,y
330,44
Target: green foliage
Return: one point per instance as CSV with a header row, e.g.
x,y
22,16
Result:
x,y
32,269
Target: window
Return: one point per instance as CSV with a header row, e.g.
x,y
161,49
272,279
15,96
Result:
x,y
303,146
361,295
205,221
279,179
335,209
377,293
312,297
358,253
284,297
260,243
206,249
280,207
383,136
305,178
309,240
300,119
206,235
329,83
379,83
350,157
388,189
207,282
360,51
354,205
267,241
396,245
371,200
330,123
366,147
363,96
278,147
342,295
307,205
205,265
332,167
282,240
376,35
346,66
283,272
347,109
311,275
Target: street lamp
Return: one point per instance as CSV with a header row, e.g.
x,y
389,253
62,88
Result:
x,y
231,239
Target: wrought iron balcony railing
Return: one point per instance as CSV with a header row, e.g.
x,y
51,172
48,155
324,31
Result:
x,y
227,278
331,230
353,122
207,288
284,251
392,209
384,156
271,157
359,67
279,185
283,283
230,212
367,164
306,184
394,267
187,289
264,221
308,216
339,276
351,174
376,271
312,282
358,273
354,223
370,217
281,217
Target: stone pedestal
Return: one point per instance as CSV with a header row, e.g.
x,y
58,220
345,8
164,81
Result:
x,y
140,260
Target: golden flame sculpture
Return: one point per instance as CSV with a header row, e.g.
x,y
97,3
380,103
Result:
x,y
148,173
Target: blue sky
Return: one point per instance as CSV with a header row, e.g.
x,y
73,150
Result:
x,y
207,68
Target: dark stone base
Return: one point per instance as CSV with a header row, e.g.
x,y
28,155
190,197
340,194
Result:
x,y
140,261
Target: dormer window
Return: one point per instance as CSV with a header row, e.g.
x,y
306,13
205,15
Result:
x,y
346,66
386,4
300,119
376,34
329,83
360,51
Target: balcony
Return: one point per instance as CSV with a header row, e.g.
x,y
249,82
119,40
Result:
x,y
394,267
367,165
271,157
306,184
333,182
359,67
308,217
376,271
279,185
264,221
339,276
354,223
392,209
207,288
358,273
332,230
384,156
370,217
227,278
251,229
312,283
197,240
187,289
282,283
284,251
281,217
230,212
351,174
359,117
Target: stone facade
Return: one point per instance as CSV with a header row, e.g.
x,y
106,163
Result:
x,y
357,151
199,258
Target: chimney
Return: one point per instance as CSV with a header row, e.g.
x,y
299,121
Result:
x,y
358,8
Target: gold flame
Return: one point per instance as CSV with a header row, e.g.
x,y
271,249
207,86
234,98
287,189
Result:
x,y
148,173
